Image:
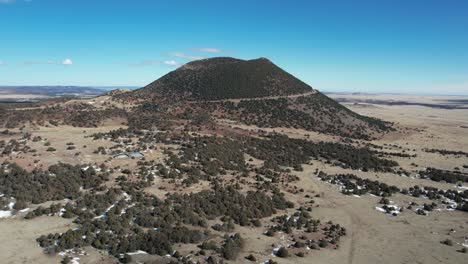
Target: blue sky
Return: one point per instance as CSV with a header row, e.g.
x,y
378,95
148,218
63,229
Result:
x,y
367,46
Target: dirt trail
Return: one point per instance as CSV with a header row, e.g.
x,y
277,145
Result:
x,y
261,98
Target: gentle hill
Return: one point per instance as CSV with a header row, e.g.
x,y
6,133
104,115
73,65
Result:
x,y
226,78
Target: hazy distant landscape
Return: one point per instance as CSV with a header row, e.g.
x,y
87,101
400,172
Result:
x,y
21,94
431,101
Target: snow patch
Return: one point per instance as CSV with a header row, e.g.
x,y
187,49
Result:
x,y
390,209
275,251
5,214
137,253
380,209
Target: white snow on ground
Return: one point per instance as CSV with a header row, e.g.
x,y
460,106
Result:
x,y
450,205
74,260
127,196
380,209
24,210
8,213
104,214
5,214
462,187
110,207
96,168
394,209
356,196
465,244
62,210
137,253
275,250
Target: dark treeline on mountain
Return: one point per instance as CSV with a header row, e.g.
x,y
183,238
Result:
x,y
443,175
217,154
13,145
395,154
432,193
284,151
214,154
254,205
127,220
314,112
319,101
92,118
203,157
114,134
226,78
232,246
324,233
58,182
300,220
447,152
149,116
352,184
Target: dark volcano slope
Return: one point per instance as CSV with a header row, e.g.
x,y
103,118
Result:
x,y
226,78
253,92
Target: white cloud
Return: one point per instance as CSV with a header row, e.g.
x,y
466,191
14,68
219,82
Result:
x,y
67,62
29,63
1,62
145,63
171,63
208,50
12,1
184,56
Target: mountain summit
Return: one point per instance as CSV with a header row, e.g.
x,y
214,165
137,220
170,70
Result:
x,y
227,78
